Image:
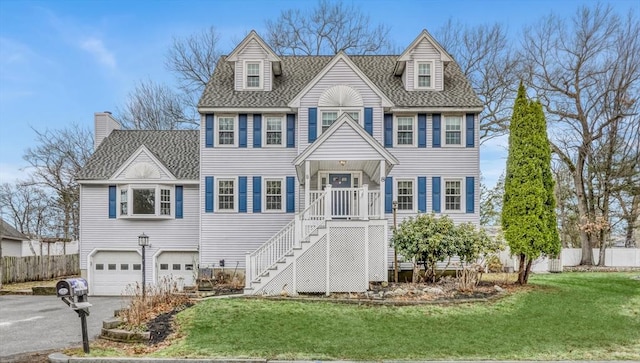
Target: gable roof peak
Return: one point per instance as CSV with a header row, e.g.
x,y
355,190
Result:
x,y
253,36
425,35
295,102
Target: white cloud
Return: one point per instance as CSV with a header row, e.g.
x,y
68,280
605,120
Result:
x,y
98,50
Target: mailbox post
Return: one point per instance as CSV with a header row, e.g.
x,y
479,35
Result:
x,y
74,292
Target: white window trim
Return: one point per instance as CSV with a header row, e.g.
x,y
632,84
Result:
x,y
396,181
415,74
443,202
395,131
283,192
260,73
157,187
216,195
340,111
463,132
283,128
217,131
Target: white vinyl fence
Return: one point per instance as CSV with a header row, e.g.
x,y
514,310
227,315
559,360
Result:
x,y
37,248
614,257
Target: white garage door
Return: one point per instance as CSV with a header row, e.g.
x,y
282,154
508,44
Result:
x,y
178,266
113,271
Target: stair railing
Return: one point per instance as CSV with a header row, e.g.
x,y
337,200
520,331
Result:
x,y
283,242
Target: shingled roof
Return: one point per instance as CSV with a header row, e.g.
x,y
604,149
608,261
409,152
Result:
x,y
298,71
9,232
176,149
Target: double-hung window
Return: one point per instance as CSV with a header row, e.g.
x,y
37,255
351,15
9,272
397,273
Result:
x,y
424,75
329,117
273,131
252,74
405,195
405,130
226,195
452,195
145,201
273,194
453,130
226,130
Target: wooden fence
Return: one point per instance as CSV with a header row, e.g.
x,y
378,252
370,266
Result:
x,y
38,268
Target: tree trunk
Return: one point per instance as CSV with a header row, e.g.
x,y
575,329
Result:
x,y
527,271
521,270
583,210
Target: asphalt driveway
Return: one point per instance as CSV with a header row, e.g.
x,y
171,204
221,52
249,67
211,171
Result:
x,y
34,323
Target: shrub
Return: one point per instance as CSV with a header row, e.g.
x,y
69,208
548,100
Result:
x,y
161,297
429,239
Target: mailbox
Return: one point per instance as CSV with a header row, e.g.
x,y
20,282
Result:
x,y
73,292
75,287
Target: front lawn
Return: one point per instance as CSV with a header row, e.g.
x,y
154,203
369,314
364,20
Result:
x,y
563,316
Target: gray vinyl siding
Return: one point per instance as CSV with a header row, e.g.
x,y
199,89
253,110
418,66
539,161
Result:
x,y
253,52
341,73
424,51
98,231
142,158
229,235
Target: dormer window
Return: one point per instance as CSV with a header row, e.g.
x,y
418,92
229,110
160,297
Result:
x,y
253,71
424,75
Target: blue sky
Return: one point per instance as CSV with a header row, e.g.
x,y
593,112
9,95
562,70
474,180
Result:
x,y
61,61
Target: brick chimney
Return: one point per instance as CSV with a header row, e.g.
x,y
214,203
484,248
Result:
x,y
104,123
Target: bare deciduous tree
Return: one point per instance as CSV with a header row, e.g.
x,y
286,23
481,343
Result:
x,y
152,106
485,56
328,28
56,160
587,76
193,60
29,208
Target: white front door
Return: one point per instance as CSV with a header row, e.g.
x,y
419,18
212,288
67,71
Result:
x,y
115,272
177,266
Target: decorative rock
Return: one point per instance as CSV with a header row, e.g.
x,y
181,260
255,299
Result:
x,y
498,288
433,290
399,292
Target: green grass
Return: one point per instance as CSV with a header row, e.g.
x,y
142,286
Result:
x,y
566,316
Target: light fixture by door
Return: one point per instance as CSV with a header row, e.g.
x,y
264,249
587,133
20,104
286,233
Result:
x,y
343,162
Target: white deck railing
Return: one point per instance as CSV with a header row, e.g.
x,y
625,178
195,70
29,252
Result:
x,y
332,203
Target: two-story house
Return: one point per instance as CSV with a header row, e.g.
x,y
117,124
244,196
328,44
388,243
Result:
x,y
294,172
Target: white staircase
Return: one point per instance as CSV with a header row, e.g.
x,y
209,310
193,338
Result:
x,y
281,250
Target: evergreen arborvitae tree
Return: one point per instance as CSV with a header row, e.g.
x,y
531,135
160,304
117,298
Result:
x,y
528,212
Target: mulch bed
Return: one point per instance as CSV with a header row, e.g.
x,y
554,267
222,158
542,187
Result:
x,y
161,326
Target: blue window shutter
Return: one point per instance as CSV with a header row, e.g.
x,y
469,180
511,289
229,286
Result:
x,y
422,194
257,194
242,194
291,130
242,130
388,195
179,201
112,201
471,186
436,129
313,124
208,194
368,120
422,130
257,130
388,130
291,189
470,129
209,130
435,191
